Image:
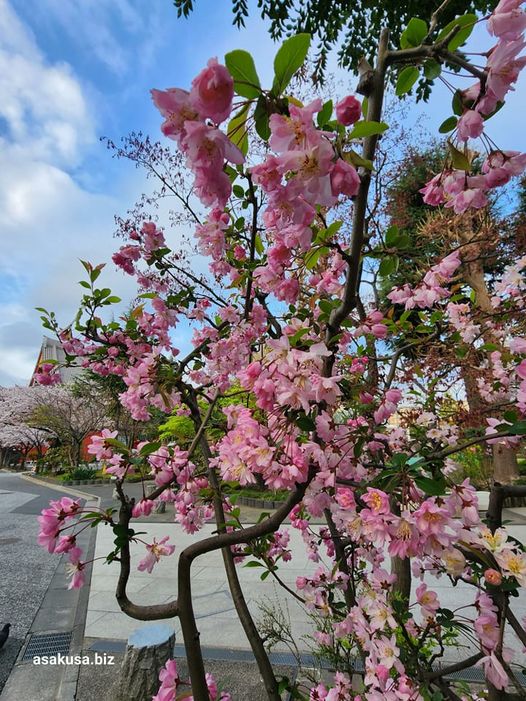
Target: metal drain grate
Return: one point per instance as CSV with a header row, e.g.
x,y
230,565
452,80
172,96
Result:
x,y
41,644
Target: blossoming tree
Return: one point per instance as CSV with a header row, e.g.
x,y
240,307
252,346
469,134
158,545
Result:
x,y
284,320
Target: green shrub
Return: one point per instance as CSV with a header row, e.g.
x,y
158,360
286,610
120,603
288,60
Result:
x,y
475,464
79,473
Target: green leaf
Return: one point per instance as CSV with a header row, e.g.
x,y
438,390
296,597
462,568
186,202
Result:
x,y
114,443
456,104
258,243
305,423
254,563
237,130
434,488
358,447
261,118
313,256
448,125
288,60
406,79
414,33
326,306
293,340
458,159
466,24
510,415
391,236
149,448
325,235
95,273
432,69
388,265
357,160
113,300
242,69
283,685
363,128
324,114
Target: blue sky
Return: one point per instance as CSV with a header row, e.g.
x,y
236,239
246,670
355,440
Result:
x,y
71,71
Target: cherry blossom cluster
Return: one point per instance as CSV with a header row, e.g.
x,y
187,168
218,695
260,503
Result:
x,y
453,186
303,173
192,119
431,289
171,684
53,522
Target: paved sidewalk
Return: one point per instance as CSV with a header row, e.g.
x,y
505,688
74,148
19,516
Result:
x,y
61,612
216,616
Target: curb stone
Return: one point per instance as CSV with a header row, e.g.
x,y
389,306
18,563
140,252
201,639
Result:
x,y
59,488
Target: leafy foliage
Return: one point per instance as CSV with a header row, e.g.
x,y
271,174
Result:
x,y
356,25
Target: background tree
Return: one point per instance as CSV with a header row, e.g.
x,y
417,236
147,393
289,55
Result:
x,y
18,436
489,239
70,416
353,27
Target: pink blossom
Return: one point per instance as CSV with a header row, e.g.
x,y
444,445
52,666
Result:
x,y
144,507
517,345
344,179
428,600
377,501
47,374
348,110
297,131
466,199
494,671
97,446
433,191
155,551
513,564
75,569
508,20
493,577
212,92
504,67
174,104
430,518
470,125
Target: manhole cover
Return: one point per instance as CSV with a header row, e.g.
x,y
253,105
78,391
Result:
x,y
47,644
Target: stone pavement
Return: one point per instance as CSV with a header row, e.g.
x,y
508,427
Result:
x,y
216,617
34,595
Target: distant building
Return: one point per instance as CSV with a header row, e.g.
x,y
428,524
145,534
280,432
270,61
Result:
x,y
51,349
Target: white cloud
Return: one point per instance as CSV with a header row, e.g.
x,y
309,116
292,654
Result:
x,y
47,220
42,105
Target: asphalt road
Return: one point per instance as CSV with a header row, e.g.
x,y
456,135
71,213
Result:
x,y
25,568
